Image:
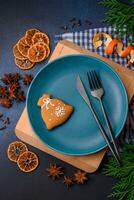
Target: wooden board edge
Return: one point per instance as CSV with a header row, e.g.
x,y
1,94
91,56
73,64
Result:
x,y
78,163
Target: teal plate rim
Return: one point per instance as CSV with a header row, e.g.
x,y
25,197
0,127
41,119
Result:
x,y
126,102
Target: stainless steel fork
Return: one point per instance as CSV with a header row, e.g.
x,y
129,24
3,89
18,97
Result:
x,y
97,91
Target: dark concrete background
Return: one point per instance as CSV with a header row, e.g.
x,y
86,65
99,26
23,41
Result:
x,y
47,15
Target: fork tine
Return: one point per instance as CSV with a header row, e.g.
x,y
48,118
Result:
x,y
94,80
90,81
98,80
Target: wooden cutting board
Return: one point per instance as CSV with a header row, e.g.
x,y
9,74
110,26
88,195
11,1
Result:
x,y
24,132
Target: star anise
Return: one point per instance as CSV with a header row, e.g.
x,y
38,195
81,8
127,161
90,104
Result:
x,y
12,94
54,171
20,96
13,89
17,76
3,92
7,79
15,85
27,79
68,181
80,177
5,102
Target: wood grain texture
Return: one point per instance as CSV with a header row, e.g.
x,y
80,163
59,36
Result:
x,y
24,132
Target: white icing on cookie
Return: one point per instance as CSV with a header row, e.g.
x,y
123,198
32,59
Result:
x,y
59,111
46,103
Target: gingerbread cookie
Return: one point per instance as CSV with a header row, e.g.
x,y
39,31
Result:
x,y
54,112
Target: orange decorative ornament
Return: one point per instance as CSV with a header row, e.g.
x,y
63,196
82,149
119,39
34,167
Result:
x,y
114,46
131,61
97,42
127,51
110,48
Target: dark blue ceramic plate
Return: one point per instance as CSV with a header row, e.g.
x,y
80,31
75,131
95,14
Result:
x,y
80,135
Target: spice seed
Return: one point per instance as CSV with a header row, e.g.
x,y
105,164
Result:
x,y
64,27
7,121
1,114
88,22
2,128
79,22
74,24
73,19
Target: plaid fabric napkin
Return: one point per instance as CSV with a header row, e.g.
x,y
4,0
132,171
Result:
x,y
84,39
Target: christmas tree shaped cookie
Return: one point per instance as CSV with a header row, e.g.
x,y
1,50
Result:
x,y
54,112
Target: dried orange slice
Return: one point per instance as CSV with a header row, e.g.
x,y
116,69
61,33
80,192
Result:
x,y
28,161
24,64
40,37
23,46
46,47
17,54
29,34
37,53
15,149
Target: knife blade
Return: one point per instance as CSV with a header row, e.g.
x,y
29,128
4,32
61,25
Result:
x,y
82,91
